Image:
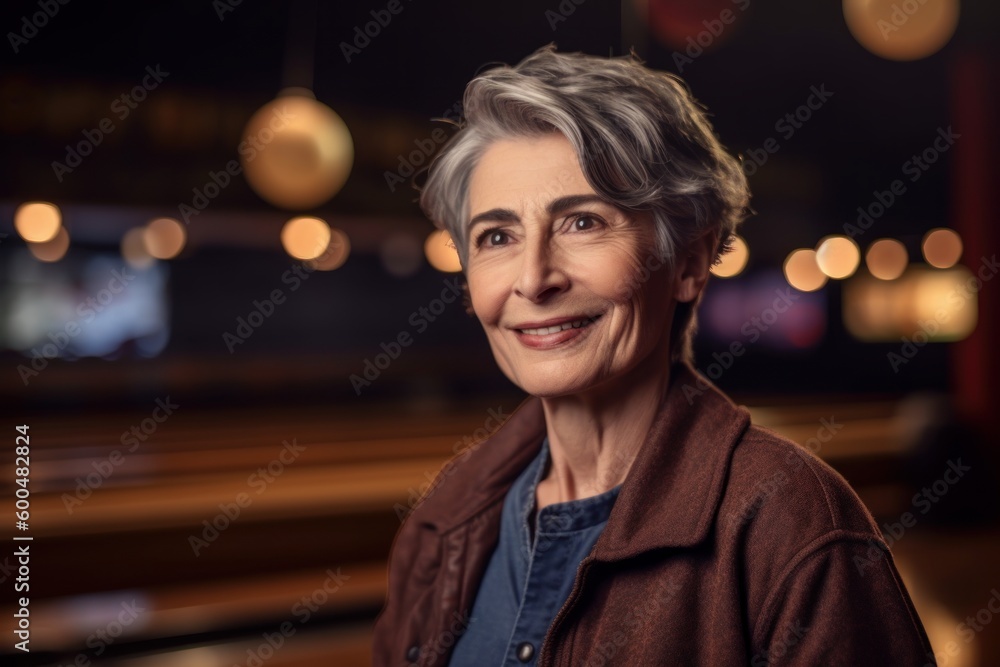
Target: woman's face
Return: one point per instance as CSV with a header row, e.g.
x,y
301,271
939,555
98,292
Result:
x,y
544,252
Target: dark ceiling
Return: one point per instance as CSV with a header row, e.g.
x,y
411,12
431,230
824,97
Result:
x,y
225,59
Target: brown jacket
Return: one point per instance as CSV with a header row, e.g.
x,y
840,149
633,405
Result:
x,y
728,545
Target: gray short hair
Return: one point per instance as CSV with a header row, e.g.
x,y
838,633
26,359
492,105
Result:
x,y
643,141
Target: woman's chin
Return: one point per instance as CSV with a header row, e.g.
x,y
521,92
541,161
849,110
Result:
x,y
544,387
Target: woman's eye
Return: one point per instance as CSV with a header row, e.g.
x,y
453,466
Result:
x,y
584,222
492,237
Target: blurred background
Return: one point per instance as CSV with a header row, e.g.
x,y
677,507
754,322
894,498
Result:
x,y
233,337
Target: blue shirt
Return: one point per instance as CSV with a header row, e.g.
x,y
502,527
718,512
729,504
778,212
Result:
x,y
530,573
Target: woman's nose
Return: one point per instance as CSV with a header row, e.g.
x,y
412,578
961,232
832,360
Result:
x,y
540,274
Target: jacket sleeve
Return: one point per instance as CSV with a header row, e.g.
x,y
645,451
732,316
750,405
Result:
x,y
840,602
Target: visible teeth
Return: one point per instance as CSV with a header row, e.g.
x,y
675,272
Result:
x,y
559,327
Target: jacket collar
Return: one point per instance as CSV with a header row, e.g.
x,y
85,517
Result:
x,y
669,498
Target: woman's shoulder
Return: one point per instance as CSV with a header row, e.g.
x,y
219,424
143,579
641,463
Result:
x,y
778,487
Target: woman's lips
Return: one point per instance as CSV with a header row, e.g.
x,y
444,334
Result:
x,y
555,335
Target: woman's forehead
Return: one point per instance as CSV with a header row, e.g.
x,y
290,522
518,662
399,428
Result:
x,y
526,171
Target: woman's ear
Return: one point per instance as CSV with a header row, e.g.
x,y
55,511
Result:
x,y
692,268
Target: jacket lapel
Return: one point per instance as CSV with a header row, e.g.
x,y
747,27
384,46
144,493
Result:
x,y
673,490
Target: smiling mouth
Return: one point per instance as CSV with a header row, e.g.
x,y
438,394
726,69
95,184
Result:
x,y
576,324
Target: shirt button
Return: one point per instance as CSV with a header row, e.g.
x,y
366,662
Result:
x,y
525,651
413,653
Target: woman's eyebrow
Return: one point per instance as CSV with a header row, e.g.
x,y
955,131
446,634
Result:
x,y
495,215
555,207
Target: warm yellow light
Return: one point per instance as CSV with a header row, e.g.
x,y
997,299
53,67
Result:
x,y
838,256
52,250
886,259
134,249
336,253
441,253
899,30
734,261
931,304
164,238
37,222
942,248
802,272
296,152
305,238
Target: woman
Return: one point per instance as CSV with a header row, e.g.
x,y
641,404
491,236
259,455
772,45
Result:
x,y
627,512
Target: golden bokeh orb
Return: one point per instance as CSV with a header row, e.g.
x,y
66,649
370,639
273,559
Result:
x,y
441,252
733,262
296,152
942,248
305,237
52,250
838,256
802,271
164,238
902,29
37,221
886,259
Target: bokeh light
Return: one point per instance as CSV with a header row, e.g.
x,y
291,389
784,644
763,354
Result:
x,y
336,253
296,152
134,249
441,253
942,248
886,259
37,222
802,272
898,30
734,261
838,256
690,27
52,250
164,238
305,237
935,302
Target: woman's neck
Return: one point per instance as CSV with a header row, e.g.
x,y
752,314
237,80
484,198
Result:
x,y
595,437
